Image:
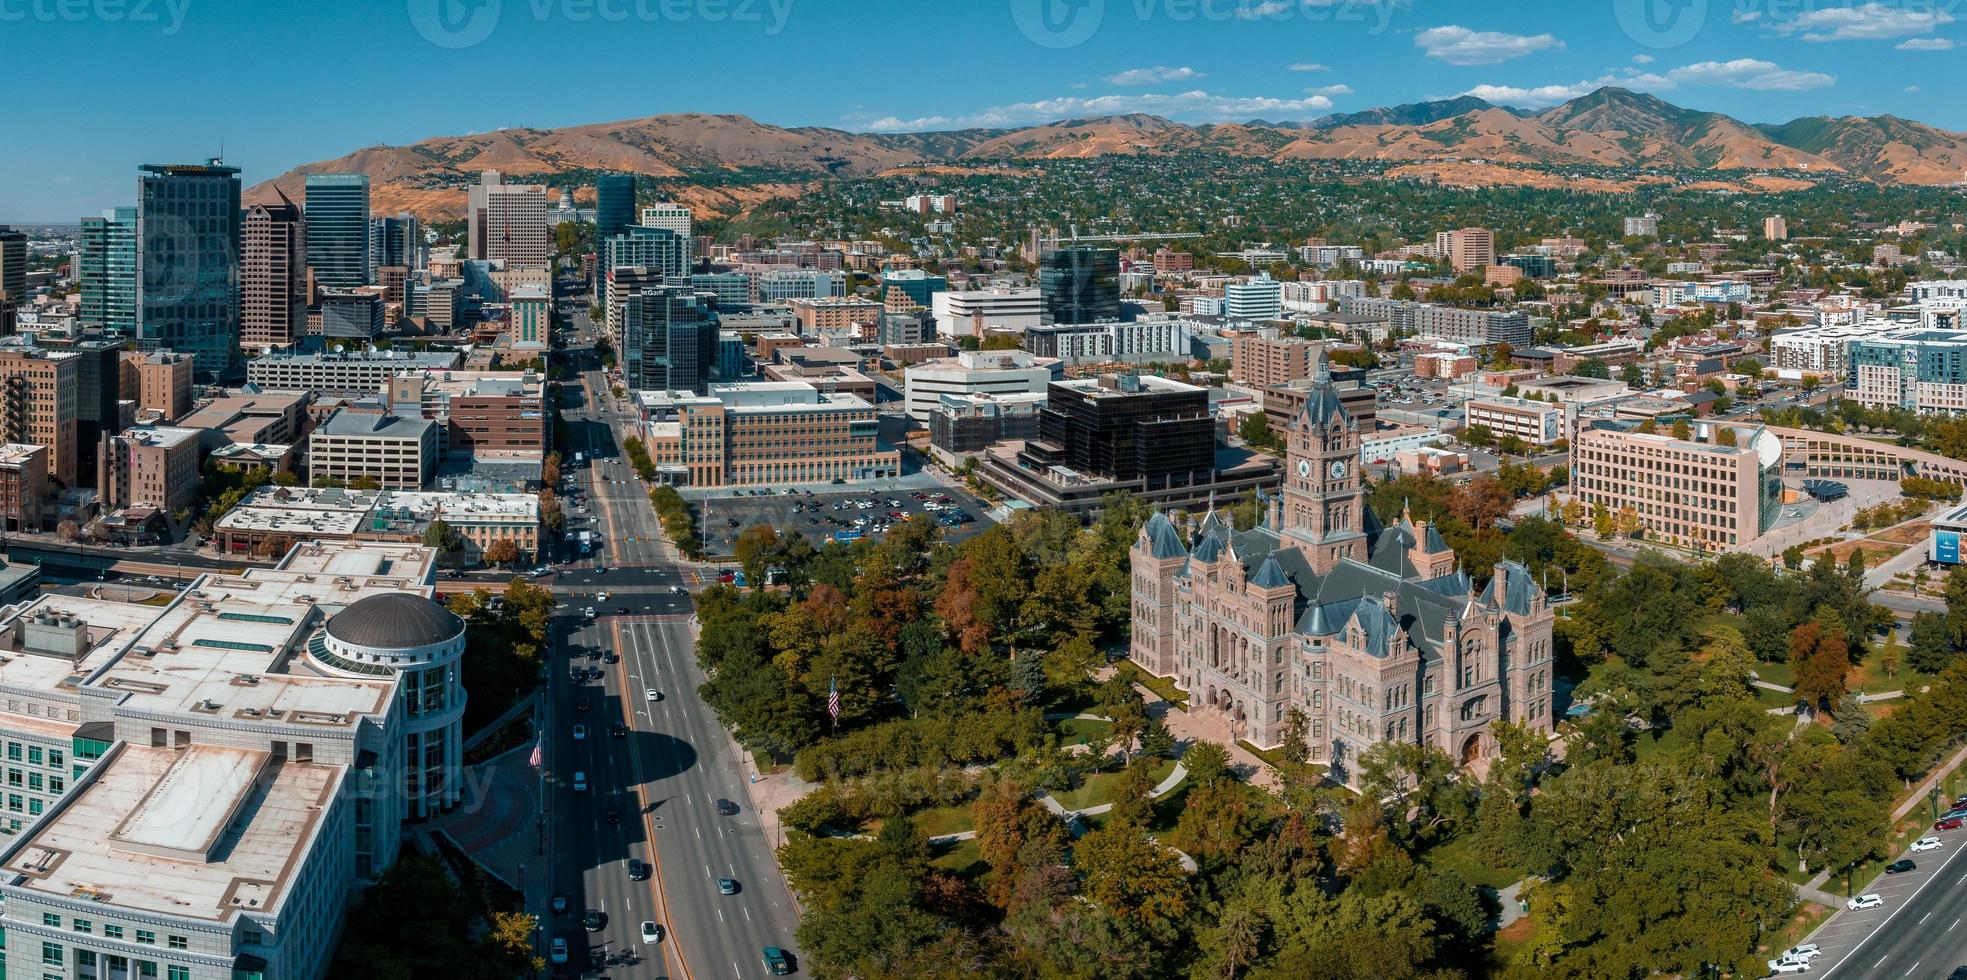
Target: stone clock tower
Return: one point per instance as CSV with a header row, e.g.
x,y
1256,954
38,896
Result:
x,y
1324,499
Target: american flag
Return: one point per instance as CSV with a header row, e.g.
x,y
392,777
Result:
x,y
833,700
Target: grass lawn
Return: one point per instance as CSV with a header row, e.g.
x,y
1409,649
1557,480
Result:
x,y
1163,688
1459,856
963,858
1075,731
1504,945
937,821
1098,788
1779,672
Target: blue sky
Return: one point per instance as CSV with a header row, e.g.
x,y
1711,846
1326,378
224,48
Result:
x,y
97,87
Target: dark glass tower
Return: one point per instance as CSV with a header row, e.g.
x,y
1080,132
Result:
x,y
337,208
188,223
1080,285
669,341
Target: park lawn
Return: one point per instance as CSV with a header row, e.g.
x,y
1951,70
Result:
x,y
1162,687
1098,787
937,821
1458,855
1505,944
1774,699
964,858
1778,672
1909,534
1076,731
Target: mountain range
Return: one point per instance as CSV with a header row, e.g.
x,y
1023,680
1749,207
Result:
x,y
1611,127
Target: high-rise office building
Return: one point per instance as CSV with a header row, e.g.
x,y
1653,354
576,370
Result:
x,y
106,267
1079,284
1467,249
13,265
337,208
658,249
614,205
395,241
272,276
507,223
669,341
187,277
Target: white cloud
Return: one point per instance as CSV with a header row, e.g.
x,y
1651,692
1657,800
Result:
x,y
1742,73
1331,90
1153,76
1746,16
1925,44
1912,88
1308,66
1264,10
1458,45
1866,22
1537,97
1196,106
1642,59
1749,73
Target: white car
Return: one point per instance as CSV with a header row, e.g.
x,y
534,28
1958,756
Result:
x,y
1869,900
652,695
651,933
1782,967
580,732
1805,952
1926,844
601,597
590,612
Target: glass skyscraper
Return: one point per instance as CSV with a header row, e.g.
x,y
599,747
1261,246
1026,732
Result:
x,y
1080,285
614,205
188,223
656,249
106,266
337,211
394,241
669,341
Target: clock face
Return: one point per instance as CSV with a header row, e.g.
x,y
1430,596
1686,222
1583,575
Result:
x,y
1338,469
1304,467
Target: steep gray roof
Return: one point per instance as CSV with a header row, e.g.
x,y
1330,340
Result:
x,y
1432,544
1511,589
1163,542
1322,405
1270,576
1208,549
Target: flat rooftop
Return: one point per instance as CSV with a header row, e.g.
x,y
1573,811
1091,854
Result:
x,y
14,453
199,832
360,424
110,626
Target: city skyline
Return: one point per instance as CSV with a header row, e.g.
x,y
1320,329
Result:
x,y
1200,61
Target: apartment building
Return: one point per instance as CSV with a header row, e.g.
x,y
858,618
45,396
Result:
x,y
163,382
397,453
532,318
1700,495
1917,369
149,465
965,424
771,433
835,315
1468,249
1818,350
1164,339
39,404
1262,358
1536,423
23,486
976,372
351,374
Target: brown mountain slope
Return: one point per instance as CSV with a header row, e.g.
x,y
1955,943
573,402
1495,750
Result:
x,y
1887,149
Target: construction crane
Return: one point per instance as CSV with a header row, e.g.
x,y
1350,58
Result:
x,y
1055,239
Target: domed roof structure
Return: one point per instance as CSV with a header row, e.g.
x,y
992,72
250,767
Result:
x,y
394,621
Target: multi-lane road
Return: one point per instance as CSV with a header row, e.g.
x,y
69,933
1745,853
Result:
x,y
661,775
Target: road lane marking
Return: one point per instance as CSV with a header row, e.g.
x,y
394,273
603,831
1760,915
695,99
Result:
x,y
1881,961
1923,918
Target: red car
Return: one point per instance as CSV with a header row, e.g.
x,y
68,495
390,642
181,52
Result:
x,y
1950,823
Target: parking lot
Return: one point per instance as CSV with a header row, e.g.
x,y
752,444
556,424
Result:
x,y
843,515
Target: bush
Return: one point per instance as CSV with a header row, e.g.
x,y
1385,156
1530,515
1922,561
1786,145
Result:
x,y
919,743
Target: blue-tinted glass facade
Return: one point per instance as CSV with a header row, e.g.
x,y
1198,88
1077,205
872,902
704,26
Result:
x,y
337,211
187,276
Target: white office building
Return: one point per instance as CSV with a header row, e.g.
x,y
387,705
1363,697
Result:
x,y
971,313
977,373
1260,298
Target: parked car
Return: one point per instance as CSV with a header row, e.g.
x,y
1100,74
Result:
x,y
1783,967
1803,951
1899,867
1926,844
1869,900
1947,823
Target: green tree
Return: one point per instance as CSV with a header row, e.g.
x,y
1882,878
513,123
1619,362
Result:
x,y
1133,877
